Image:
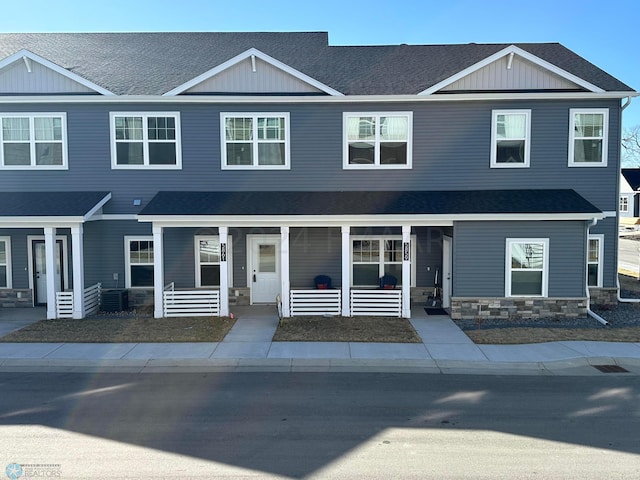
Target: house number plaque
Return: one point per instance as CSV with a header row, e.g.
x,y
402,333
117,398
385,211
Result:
x,y
406,251
223,252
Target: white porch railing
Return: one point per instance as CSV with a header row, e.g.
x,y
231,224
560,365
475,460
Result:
x,y
382,303
64,301
315,302
191,303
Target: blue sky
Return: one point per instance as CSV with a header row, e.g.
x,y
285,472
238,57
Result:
x,y
605,33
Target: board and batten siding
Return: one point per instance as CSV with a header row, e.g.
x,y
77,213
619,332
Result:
x,y
15,79
480,253
451,151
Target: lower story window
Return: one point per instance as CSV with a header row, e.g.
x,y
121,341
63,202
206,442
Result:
x,y
372,258
208,258
594,267
624,204
5,262
527,267
139,261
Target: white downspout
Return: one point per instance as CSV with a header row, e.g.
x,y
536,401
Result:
x,y
586,283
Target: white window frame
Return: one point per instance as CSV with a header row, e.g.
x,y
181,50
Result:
x,y
32,140
545,267
196,246
605,135
381,239
376,162
494,138
255,141
127,259
145,141
7,246
600,238
624,204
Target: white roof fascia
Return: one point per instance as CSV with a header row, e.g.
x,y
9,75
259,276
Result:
x,y
56,68
262,56
97,207
346,99
351,220
518,51
40,222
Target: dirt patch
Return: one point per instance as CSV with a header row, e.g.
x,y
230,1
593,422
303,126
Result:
x,y
343,329
519,335
117,330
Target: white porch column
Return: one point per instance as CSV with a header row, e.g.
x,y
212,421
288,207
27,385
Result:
x,y
158,273
284,270
406,271
77,254
223,233
346,270
50,264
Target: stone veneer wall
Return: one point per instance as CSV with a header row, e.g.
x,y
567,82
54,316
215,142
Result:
x,y
517,308
603,296
16,297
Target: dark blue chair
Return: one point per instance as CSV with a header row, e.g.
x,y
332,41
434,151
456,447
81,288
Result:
x,y
322,282
388,282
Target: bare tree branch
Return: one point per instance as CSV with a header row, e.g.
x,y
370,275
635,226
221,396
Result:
x,y
631,146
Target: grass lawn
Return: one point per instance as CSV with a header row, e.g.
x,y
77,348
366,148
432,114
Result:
x,y
119,329
343,329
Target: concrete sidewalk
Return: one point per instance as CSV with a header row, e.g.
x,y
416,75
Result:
x,y
248,347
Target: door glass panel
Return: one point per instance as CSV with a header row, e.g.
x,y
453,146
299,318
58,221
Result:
x,y
267,258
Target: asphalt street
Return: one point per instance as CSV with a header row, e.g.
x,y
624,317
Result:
x,y
320,425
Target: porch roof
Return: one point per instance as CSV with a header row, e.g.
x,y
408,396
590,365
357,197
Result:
x,y
50,207
358,203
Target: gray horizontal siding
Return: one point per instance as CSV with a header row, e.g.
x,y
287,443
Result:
x,y
451,148
609,228
479,256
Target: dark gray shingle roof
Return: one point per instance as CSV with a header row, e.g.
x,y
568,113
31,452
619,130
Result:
x,y
632,176
154,63
48,204
369,203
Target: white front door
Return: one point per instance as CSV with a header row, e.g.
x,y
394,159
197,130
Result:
x,y
264,267
447,267
40,270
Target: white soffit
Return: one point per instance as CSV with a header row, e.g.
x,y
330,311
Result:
x,y
512,49
27,57
252,52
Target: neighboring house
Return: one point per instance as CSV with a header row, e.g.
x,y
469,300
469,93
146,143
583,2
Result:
x,y
240,166
629,191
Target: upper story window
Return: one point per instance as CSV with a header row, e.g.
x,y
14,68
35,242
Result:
x,y
624,204
588,131
145,140
255,140
377,140
527,267
510,138
34,140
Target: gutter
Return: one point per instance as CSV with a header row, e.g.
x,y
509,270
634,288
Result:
x,y
586,283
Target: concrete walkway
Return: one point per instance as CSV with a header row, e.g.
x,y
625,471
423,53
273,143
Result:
x,y
248,347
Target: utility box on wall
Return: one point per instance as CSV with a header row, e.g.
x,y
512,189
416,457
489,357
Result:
x,y
115,300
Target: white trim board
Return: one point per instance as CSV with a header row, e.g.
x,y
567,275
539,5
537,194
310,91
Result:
x,y
26,54
252,52
279,99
